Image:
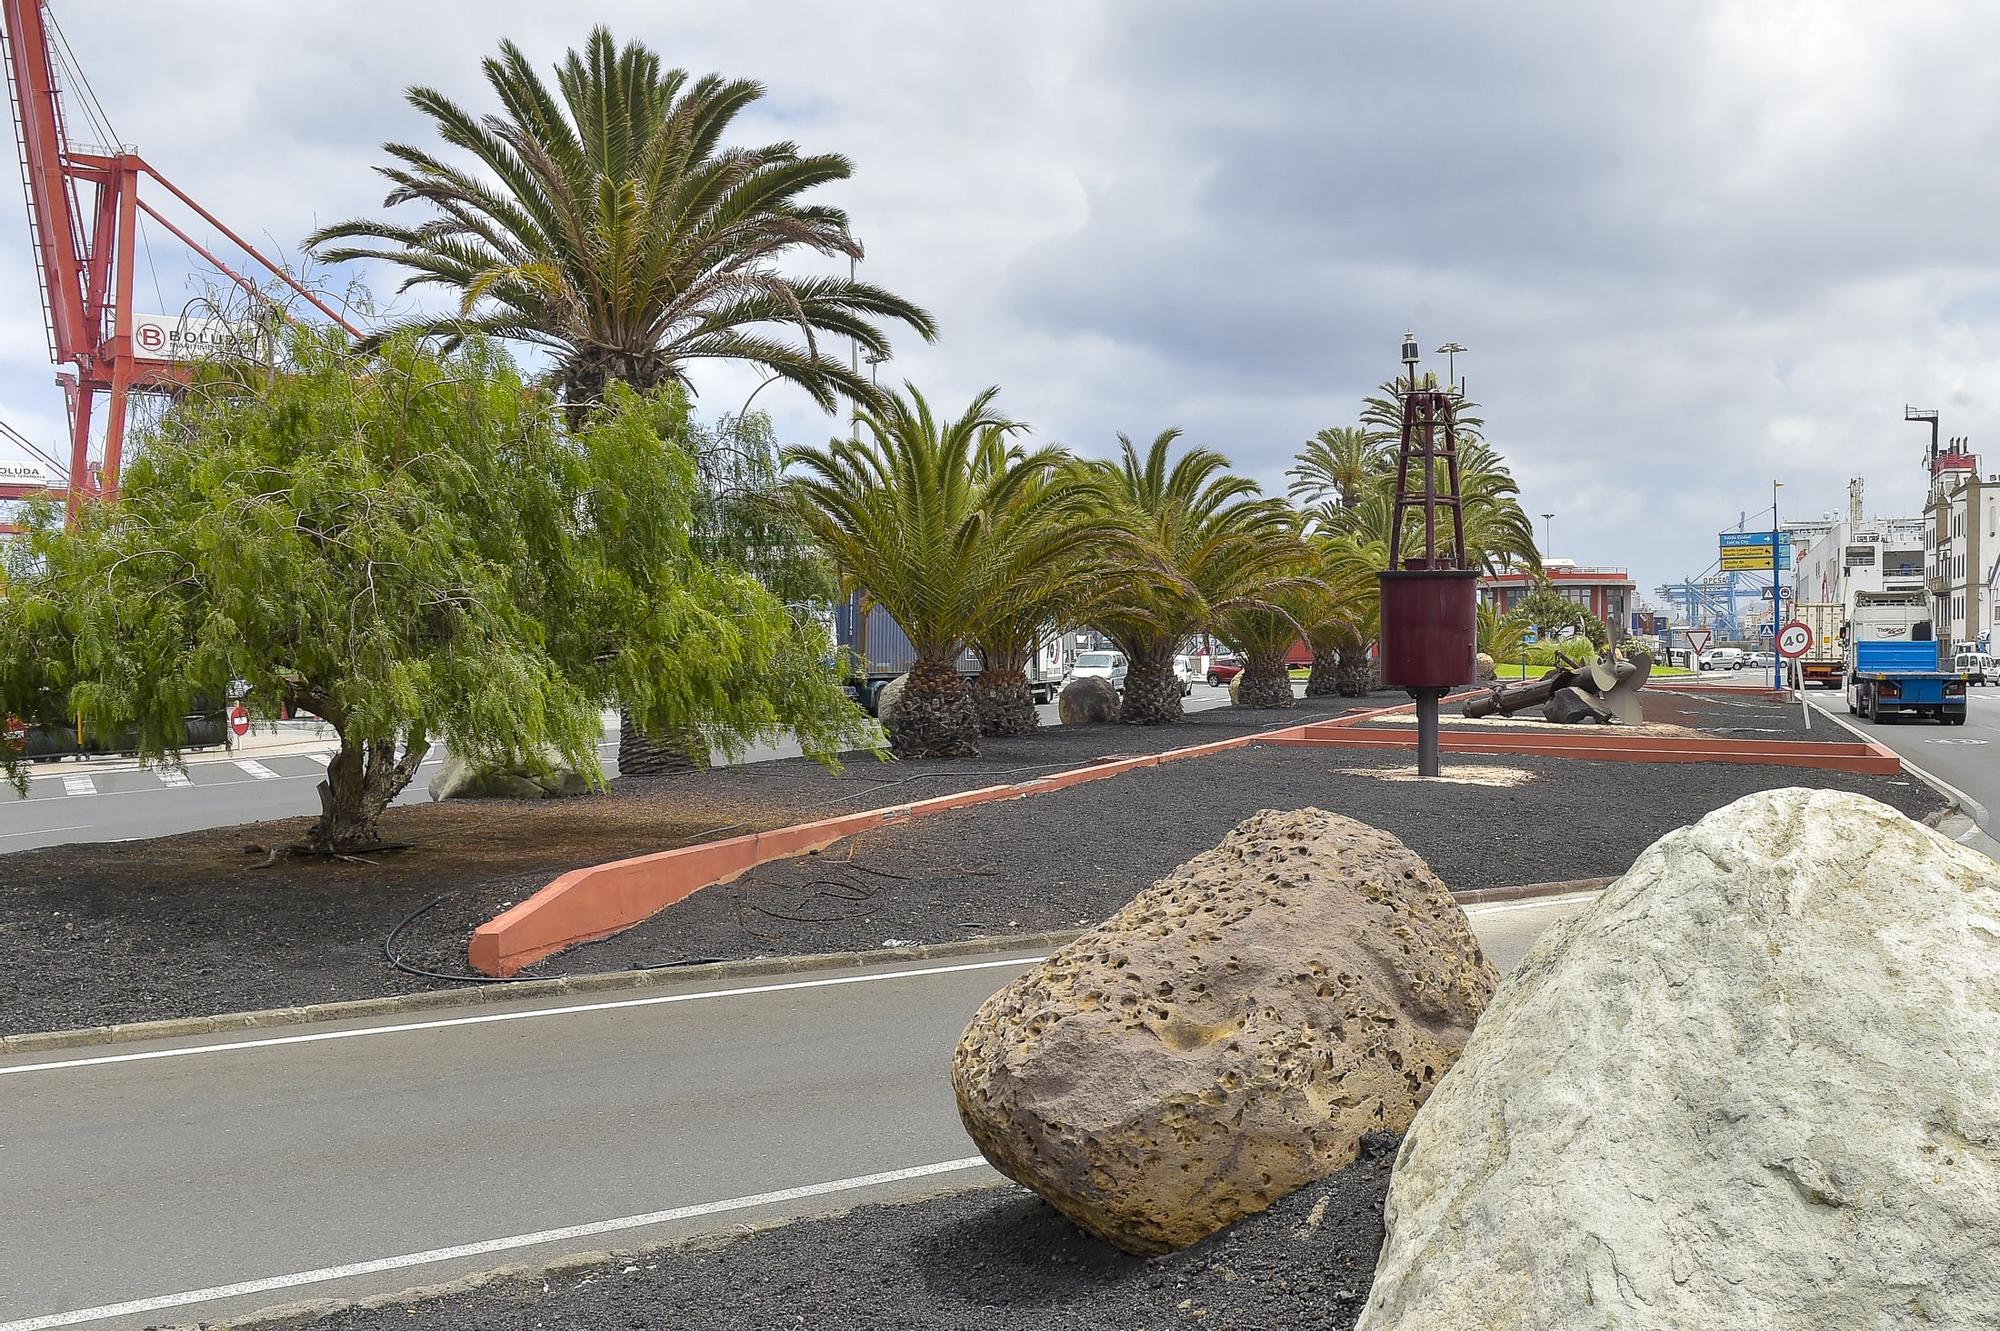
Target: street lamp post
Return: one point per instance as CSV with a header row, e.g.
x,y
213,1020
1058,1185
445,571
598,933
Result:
x,y
1777,594
1450,352
1548,535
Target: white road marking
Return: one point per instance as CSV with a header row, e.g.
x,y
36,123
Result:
x,y
39,831
1535,903
485,1247
489,1018
172,776
79,785
256,769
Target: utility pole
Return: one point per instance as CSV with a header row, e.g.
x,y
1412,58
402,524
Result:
x,y
1777,592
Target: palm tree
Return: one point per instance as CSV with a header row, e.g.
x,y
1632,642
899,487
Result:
x,y
1209,545
948,527
1336,466
611,226
1348,617
1067,572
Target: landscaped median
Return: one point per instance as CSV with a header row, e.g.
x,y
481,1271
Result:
x,y
183,927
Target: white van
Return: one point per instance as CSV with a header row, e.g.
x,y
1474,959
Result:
x,y
1973,665
1723,658
1104,665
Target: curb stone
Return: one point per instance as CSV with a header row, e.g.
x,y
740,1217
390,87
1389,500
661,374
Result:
x,y
614,981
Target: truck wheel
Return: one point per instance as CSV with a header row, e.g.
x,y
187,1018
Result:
x,y
1957,719
1874,712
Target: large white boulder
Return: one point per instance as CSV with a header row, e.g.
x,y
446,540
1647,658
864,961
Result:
x,y
1754,1087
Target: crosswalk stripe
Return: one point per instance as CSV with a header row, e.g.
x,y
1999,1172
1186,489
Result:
x,y
172,776
256,769
79,785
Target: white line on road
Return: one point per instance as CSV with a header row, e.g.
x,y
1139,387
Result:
x,y
172,776
493,1017
1534,904
484,1248
42,831
79,785
256,769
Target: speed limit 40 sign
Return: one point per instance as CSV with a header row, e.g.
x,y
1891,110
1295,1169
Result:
x,y
1795,639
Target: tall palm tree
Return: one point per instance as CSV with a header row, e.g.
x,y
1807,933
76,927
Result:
x,y
1336,467
924,519
608,222
1209,544
1348,616
1068,573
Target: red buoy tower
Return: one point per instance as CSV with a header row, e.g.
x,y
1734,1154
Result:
x,y
1429,593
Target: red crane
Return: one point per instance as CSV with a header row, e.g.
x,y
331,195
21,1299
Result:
x,y
84,206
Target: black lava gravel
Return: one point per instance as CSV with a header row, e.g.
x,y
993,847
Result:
x,y
184,926
1072,857
996,1259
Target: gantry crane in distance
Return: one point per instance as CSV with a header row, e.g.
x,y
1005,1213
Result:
x,y
84,210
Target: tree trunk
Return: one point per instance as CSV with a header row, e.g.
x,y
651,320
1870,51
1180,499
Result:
x,y
360,782
1265,681
1003,700
1152,690
1353,672
1324,681
641,755
934,718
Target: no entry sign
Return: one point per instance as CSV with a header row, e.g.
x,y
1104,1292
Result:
x,y
1795,639
239,720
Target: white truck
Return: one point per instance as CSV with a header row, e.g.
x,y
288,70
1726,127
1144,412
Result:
x,y
1825,662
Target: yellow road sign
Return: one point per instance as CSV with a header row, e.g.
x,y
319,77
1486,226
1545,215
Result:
x,y
1746,558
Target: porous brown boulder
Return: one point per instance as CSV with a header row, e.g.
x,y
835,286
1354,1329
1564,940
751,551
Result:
x,y
1229,1035
1088,699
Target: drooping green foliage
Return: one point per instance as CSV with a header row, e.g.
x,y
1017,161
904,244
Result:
x,y
951,528
608,222
1501,636
1202,543
413,547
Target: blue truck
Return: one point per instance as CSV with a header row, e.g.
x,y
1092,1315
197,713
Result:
x,y
1895,665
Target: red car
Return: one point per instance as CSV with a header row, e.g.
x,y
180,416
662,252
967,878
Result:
x,y
1221,672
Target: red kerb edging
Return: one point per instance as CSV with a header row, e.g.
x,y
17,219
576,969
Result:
x,y
601,899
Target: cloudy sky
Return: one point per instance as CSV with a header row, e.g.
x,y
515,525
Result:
x,y
1693,248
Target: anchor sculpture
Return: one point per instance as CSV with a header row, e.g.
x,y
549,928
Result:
x,y
1601,691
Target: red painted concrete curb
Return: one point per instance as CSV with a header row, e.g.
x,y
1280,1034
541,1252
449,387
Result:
x,y
1608,744
601,899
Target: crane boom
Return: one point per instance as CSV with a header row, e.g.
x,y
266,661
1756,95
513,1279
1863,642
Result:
x,y
86,279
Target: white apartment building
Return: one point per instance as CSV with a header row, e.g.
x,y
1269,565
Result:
x,y
1961,546
1832,559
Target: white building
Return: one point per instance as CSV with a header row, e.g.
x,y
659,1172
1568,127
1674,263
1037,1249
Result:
x,y
1832,559
1961,542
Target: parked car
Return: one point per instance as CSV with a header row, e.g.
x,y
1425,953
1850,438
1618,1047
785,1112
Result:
x,y
1972,665
1222,669
1184,672
1723,658
1104,665
1758,661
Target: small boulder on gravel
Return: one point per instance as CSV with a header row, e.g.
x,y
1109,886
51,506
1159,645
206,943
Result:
x,y
1088,700
1229,1035
458,779
1484,671
886,700
1753,1086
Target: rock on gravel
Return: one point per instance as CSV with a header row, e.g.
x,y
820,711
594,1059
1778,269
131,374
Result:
x,y
1088,700
1229,1035
1754,1086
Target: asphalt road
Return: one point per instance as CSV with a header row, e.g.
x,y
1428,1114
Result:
x,y
140,1183
1967,756
115,800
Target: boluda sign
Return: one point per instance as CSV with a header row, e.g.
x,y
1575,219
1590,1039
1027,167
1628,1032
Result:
x,y
165,337
13,472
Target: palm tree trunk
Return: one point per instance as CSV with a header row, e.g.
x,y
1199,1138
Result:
x,y
1324,681
1353,672
935,717
1265,681
640,754
1152,691
1002,698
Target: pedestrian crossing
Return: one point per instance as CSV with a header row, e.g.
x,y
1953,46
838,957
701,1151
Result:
x,y
111,777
